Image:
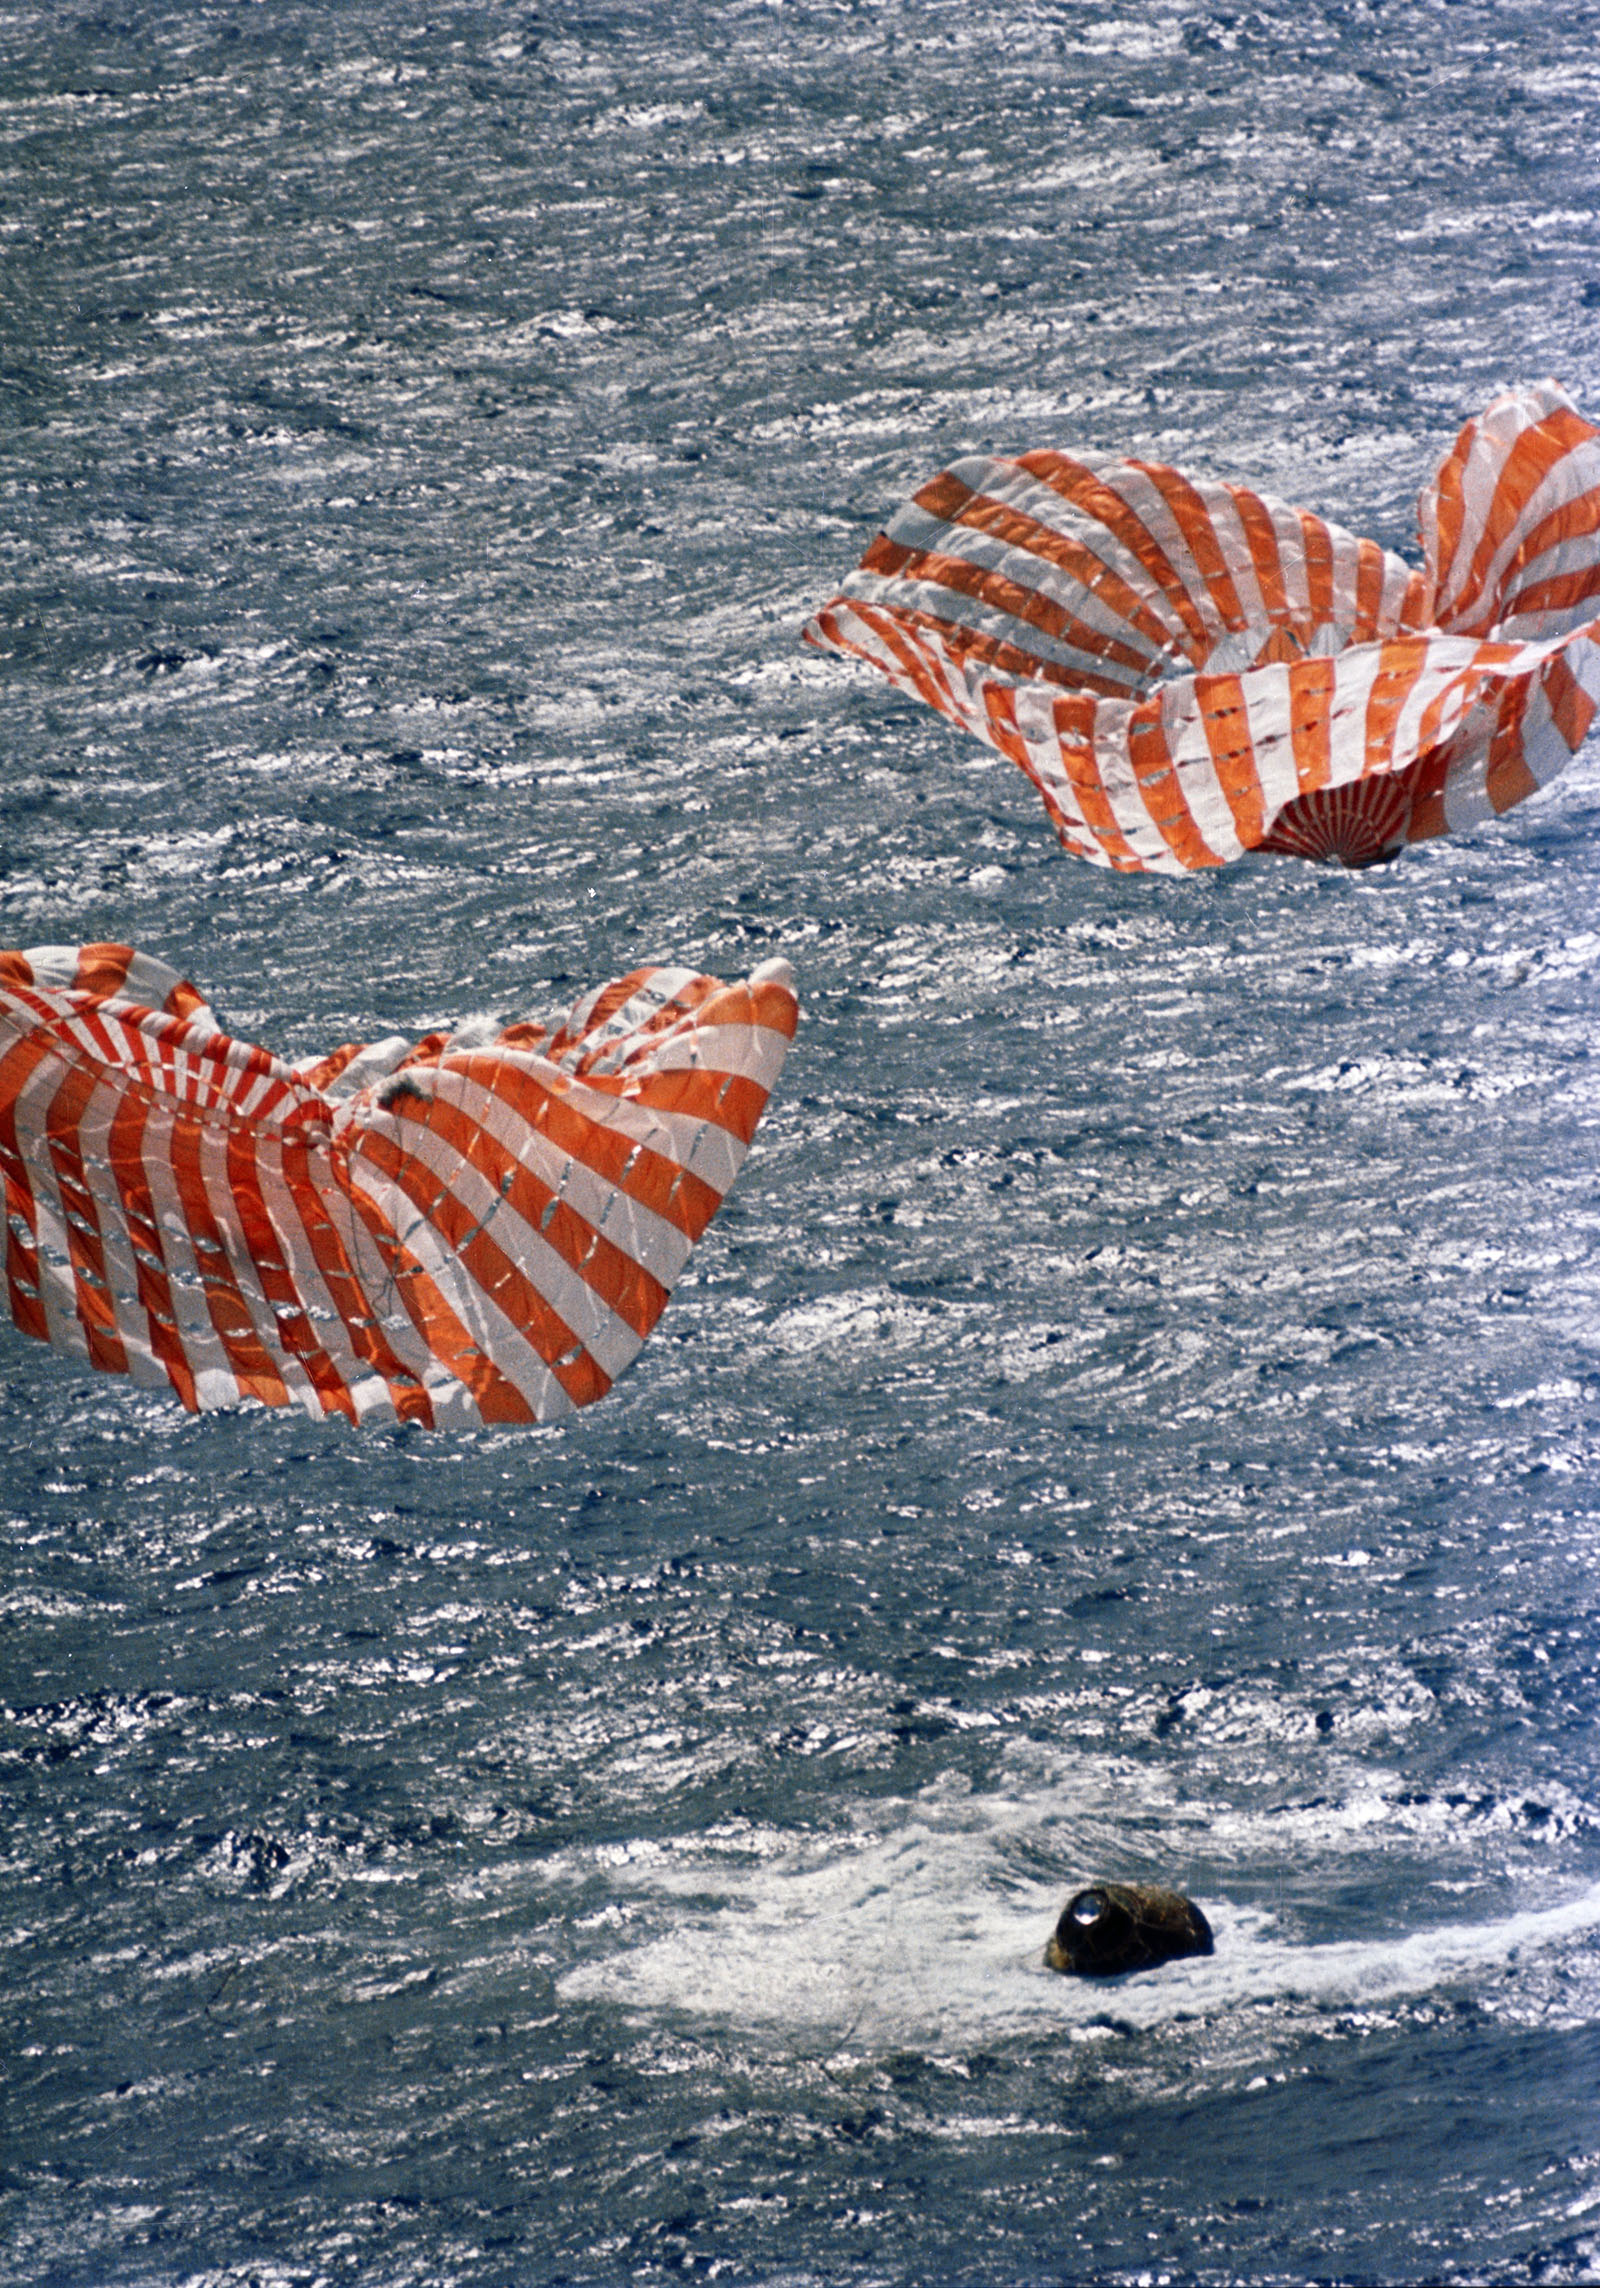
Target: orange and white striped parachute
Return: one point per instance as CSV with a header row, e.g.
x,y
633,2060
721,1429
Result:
x,y
460,1231
1188,671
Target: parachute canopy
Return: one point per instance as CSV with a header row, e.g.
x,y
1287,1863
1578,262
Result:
x,y
458,1231
1188,671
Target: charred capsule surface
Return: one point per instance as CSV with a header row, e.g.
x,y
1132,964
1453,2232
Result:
x,y
1115,1927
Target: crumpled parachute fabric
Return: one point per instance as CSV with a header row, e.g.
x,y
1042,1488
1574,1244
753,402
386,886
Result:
x,y
460,1231
1188,671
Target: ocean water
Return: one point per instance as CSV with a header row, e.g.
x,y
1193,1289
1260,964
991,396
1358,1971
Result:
x,y
1137,1412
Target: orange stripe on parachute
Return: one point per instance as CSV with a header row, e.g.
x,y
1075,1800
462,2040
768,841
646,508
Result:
x,y
1311,691
1536,452
1571,708
1227,727
24,1273
1508,779
1266,558
85,1244
1449,502
1400,664
1369,589
152,1287
1083,773
1161,790
1097,497
1194,521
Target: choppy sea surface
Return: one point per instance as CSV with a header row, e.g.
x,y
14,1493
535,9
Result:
x,y
1137,1412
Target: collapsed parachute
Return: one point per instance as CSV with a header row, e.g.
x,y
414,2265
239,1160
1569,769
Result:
x,y
1188,671
454,1232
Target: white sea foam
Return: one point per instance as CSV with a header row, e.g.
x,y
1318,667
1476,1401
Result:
x,y
921,1936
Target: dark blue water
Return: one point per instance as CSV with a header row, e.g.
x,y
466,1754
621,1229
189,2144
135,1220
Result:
x,y
1137,1412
